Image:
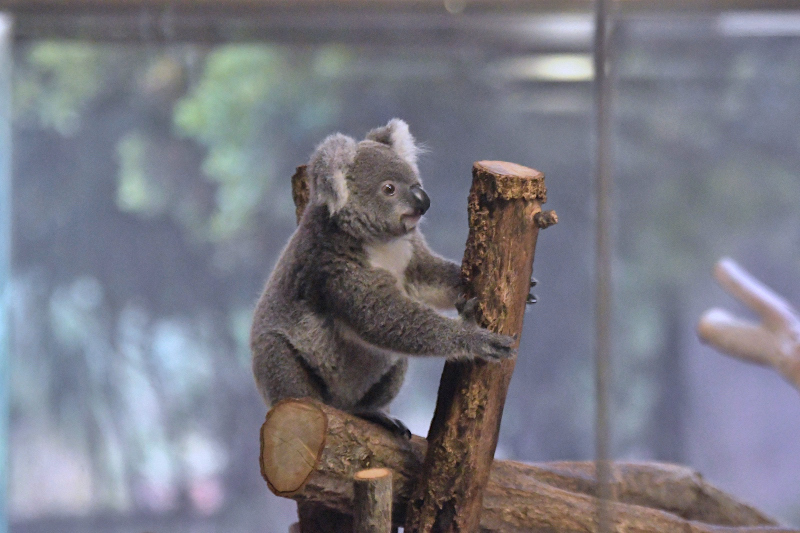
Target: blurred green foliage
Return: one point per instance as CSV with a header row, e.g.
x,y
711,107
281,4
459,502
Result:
x,y
137,192
232,109
247,94
58,81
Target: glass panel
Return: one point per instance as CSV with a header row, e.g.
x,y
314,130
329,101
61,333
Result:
x,y
151,198
708,160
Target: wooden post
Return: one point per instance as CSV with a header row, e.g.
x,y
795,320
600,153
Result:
x,y
372,501
498,261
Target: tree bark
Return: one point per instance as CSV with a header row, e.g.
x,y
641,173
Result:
x,y
372,501
317,518
504,203
650,497
300,191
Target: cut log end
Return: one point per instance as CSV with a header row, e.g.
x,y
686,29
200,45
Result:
x,y
504,168
510,181
292,438
373,473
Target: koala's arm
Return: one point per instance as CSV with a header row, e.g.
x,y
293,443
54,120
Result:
x,y
432,279
372,305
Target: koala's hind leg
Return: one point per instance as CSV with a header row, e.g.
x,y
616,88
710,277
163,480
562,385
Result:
x,y
385,421
379,395
282,372
386,388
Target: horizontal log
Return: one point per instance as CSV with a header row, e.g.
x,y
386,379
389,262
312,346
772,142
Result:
x,y
310,452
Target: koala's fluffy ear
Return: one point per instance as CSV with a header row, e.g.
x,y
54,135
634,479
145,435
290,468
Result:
x,y
327,170
396,135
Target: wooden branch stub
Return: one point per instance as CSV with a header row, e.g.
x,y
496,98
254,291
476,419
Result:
x,y
650,497
497,267
545,219
372,501
300,191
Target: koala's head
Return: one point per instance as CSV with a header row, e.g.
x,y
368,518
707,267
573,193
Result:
x,y
371,187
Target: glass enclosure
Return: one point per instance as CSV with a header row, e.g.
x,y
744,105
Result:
x,y
151,197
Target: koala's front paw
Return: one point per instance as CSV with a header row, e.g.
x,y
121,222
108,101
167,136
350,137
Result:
x,y
484,344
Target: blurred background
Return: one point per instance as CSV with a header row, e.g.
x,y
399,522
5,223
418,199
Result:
x,y
152,144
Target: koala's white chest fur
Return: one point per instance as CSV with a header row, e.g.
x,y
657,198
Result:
x,y
393,256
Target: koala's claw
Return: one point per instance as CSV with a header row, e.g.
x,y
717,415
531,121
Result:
x,y
532,299
385,421
467,308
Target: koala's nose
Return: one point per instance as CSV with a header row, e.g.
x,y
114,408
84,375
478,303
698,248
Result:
x,y
421,200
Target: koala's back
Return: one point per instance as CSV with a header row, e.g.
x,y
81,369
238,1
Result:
x,y
299,346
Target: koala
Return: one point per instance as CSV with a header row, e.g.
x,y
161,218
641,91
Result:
x,y
356,290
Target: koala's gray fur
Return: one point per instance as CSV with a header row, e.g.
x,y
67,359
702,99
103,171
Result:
x,y
354,291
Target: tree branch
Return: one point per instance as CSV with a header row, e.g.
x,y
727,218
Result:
x,y
774,342
313,452
503,204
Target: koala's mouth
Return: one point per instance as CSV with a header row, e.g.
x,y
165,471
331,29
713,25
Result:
x,y
410,221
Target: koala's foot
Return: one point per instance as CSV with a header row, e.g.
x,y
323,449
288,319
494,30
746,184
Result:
x,y
385,421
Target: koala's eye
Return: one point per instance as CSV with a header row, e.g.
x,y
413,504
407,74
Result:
x,y
388,188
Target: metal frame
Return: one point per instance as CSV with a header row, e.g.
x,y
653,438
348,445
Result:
x,y
403,21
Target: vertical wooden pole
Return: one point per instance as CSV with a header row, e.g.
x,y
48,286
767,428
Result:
x,y
372,501
504,219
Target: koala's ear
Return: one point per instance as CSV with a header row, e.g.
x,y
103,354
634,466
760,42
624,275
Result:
x,y
396,135
327,170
